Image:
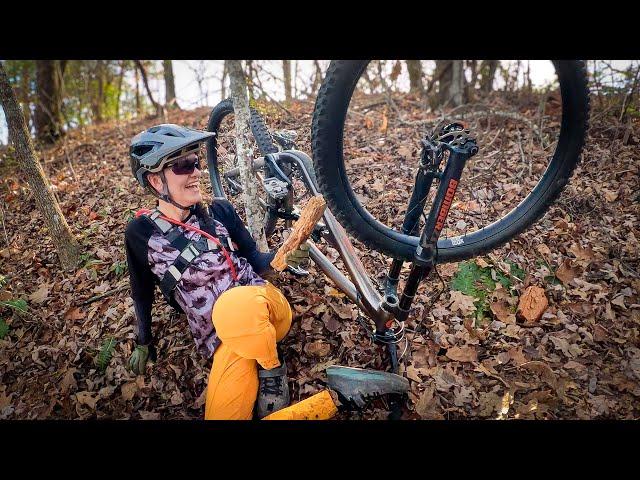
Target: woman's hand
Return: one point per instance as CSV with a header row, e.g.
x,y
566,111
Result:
x,y
299,256
139,358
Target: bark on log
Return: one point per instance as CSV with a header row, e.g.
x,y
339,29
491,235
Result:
x,y
303,227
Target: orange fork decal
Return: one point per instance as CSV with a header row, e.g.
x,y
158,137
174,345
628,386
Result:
x,y
446,204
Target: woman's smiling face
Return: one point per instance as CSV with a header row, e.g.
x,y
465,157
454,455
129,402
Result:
x,y
183,189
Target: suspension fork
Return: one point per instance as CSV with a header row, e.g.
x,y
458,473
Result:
x,y
425,256
410,226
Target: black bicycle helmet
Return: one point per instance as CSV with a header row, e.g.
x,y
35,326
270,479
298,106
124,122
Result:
x,y
150,151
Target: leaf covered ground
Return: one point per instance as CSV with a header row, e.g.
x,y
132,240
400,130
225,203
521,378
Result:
x,y
471,350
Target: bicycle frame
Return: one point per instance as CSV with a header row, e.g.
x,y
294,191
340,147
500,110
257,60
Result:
x,y
387,308
360,290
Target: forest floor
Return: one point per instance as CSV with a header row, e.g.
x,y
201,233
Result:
x,y
63,357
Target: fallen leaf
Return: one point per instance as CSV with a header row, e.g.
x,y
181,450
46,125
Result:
x,y
102,254
74,314
40,295
569,350
330,322
489,402
149,415
426,405
5,400
412,374
566,273
462,354
317,348
574,365
610,195
516,355
544,250
385,122
543,371
405,151
201,400
481,263
103,287
128,390
533,304
507,400
343,311
461,302
503,312
87,398
68,380
332,292
176,398
600,334
582,308
512,331
619,301
584,255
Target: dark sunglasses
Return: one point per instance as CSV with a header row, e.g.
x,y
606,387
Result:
x,y
186,165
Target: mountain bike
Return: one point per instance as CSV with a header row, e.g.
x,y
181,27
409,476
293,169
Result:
x,y
479,202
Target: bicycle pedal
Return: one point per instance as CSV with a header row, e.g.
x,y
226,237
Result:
x,y
275,188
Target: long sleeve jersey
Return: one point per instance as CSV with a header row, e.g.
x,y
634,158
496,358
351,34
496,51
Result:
x,y
150,254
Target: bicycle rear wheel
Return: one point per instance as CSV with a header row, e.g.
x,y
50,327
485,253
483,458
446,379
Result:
x,y
506,189
221,156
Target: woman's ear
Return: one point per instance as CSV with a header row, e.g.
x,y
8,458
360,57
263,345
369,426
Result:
x,y
155,181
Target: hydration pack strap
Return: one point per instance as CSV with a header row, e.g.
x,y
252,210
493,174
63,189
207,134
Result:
x,y
189,250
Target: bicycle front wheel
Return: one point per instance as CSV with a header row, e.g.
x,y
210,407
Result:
x,y
366,142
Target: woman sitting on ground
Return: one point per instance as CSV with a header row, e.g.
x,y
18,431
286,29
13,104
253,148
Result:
x,y
235,315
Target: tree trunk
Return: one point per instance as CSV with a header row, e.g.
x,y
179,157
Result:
x,y
451,83
488,71
48,118
223,91
415,77
286,69
244,149
138,102
120,80
456,90
169,83
249,79
66,244
145,80
98,93
317,77
443,72
471,87
25,94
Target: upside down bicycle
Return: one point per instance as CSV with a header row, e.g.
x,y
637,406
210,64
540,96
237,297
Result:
x,y
448,152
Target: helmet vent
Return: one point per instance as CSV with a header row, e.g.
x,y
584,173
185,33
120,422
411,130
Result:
x,y
142,149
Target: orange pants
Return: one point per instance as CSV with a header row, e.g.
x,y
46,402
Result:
x,y
249,320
